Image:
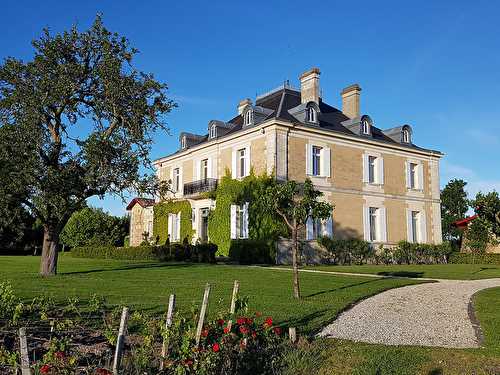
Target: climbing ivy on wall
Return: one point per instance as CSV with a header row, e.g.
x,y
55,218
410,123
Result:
x,y
160,220
230,191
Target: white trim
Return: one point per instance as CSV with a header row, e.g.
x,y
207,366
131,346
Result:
x,y
308,159
325,158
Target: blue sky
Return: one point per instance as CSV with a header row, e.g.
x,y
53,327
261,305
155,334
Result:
x,y
434,65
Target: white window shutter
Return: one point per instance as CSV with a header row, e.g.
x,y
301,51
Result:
x,y
409,226
309,229
233,221
181,183
308,159
366,177
170,226
233,165
383,224
245,220
178,234
407,172
247,161
423,227
325,161
380,167
420,183
366,222
209,168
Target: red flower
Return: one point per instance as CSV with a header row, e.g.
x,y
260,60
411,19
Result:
x,y
254,334
277,330
103,371
269,321
243,330
204,333
241,321
249,321
45,369
60,355
220,322
216,347
226,329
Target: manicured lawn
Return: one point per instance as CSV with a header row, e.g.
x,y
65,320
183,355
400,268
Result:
x,y
438,271
147,285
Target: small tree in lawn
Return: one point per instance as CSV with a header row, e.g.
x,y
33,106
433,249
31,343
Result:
x,y
296,203
76,121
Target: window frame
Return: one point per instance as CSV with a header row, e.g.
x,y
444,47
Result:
x,y
413,175
372,169
248,119
183,142
415,226
176,173
213,131
316,154
365,127
374,215
241,156
311,114
406,136
204,169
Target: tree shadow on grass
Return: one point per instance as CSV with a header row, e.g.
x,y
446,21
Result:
x,y
132,267
340,288
306,320
412,274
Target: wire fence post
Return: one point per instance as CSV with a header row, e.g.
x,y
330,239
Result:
x,y
120,341
236,289
25,360
292,333
203,311
168,323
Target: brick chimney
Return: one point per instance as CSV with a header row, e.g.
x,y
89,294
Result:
x,y
309,86
243,104
350,100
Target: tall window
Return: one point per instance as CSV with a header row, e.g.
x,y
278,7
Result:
x,y
177,180
174,226
311,115
413,175
372,160
365,127
248,117
239,221
204,169
373,212
183,142
414,226
406,136
242,163
316,160
213,131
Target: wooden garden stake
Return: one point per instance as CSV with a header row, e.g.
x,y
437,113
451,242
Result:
x,y
292,332
25,360
120,341
236,289
203,311
168,323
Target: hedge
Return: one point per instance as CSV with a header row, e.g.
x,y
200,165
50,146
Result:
x,y
468,258
253,251
180,252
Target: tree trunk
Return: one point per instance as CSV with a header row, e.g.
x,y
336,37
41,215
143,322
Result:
x,y
295,254
48,262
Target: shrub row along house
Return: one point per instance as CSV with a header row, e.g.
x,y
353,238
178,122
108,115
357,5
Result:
x,y
384,187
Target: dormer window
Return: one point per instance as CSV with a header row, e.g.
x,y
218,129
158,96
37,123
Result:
x,y
183,142
311,115
406,136
365,126
213,132
248,117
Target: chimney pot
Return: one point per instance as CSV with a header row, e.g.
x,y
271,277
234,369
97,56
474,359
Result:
x,y
350,100
243,104
309,86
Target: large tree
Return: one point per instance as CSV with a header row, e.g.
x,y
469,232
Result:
x,y
295,204
454,206
78,121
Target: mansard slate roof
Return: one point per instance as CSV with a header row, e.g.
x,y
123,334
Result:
x,y
279,104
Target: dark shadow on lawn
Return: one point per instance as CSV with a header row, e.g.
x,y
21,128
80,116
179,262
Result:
x,y
484,269
340,288
436,371
132,267
303,321
401,274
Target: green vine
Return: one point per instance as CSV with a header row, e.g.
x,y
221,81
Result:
x,y
230,191
160,220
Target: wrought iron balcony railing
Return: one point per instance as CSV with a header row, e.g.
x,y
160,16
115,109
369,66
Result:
x,y
201,186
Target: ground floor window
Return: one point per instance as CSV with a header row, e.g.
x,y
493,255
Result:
x,y
174,227
239,221
316,228
375,227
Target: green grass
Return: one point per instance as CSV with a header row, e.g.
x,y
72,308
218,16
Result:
x,y
438,271
147,285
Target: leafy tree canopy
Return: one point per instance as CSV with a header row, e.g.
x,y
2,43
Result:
x,y
77,121
93,226
454,206
487,207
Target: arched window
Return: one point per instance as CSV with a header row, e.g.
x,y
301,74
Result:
x,y
365,126
406,136
183,142
311,115
213,131
248,117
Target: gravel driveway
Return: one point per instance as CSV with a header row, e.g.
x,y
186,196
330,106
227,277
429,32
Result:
x,y
432,314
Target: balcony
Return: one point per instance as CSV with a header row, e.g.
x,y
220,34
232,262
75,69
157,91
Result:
x,y
196,188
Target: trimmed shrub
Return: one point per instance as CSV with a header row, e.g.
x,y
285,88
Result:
x,y
253,251
204,253
348,251
468,258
